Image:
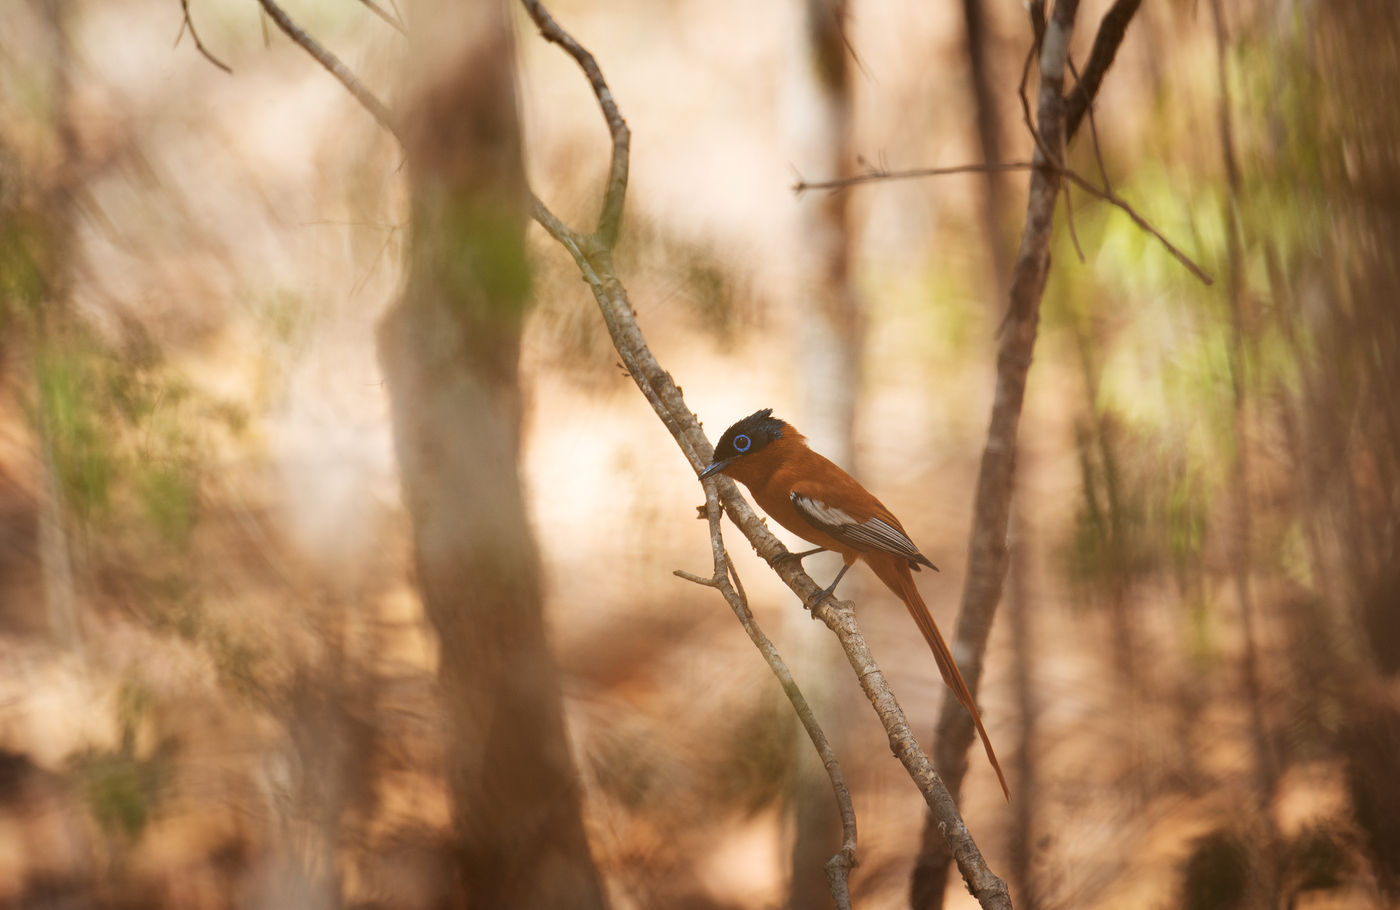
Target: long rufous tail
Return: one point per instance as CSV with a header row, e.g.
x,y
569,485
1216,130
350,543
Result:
x,y
897,577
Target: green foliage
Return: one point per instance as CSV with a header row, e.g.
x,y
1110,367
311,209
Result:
x,y
123,788
1163,355
22,284
168,498
72,430
119,433
238,661
490,264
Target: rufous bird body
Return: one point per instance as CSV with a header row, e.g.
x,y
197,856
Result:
x,y
816,500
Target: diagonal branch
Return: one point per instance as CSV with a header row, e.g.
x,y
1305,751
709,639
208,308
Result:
x,y
1112,28
333,65
1116,21
610,219
838,868
187,23
1107,194
878,174
592,253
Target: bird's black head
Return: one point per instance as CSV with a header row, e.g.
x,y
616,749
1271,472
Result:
x,y
746,437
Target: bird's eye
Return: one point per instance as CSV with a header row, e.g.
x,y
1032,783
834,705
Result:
x,y
742,443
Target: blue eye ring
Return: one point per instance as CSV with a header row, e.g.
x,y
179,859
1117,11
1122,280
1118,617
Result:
x,y
742,443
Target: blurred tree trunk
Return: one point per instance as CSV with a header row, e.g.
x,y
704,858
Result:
x,y
827,332
829,323
450,350
980,45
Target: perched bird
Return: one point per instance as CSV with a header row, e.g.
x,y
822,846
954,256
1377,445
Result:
x,y
819,502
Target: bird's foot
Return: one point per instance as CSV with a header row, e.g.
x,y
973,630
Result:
x,y
811,603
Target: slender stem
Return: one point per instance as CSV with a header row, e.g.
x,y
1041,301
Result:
x,y
339,70
188,23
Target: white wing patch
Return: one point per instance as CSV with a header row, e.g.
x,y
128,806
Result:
x,y
828,518
871,534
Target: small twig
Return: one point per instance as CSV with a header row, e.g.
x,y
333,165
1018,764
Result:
x,y
1069,222
1107,194
1093,132
187,23
384,14
333,65
1045,158
1114,199
610,219
838,868
873,174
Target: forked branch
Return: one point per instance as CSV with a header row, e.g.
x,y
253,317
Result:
x,y
1078,104
187,23
331,62
725,579
592,253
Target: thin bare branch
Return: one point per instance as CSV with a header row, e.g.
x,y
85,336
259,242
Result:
x,y
1112,28
1105,46
187,23
333,65
610,219
592,253
1069,223
1093,132
388,17
1114,199
726,580
874,174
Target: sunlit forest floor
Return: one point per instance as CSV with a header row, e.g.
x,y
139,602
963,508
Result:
x,y
217,686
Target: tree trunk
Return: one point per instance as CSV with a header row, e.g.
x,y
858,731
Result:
x,y
987,551
450,351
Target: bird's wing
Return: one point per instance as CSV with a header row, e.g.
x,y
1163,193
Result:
x,y
874,533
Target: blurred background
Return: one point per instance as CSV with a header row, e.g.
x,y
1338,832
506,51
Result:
x,y
218,685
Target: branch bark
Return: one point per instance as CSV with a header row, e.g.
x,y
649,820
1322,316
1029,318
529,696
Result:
x,y
987,552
